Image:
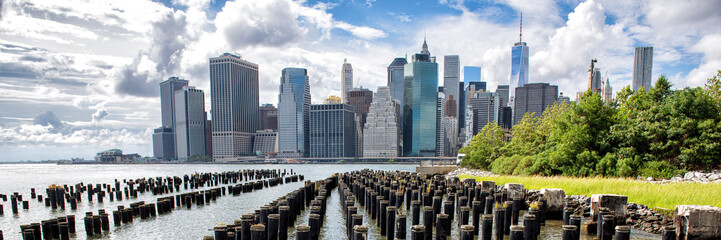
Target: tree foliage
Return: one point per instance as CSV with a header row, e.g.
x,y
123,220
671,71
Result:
x,y
658,132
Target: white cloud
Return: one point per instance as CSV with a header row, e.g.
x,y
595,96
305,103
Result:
x,y
363,32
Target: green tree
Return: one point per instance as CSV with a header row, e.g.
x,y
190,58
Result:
x,y
484,147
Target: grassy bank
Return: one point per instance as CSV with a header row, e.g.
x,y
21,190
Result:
x,y
641,192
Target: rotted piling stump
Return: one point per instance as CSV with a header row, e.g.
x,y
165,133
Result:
x,y
669,233
529,222
428,222
499,220
418,232
360,232
401,227
517,232
467,232
569,232
272,229
302,232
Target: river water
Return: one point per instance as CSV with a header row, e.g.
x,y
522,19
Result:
x,y
183,223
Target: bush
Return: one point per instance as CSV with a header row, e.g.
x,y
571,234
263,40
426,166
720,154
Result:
x,y
659,169
505,165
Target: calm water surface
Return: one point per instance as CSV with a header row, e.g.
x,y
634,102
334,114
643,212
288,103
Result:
x,y
183,223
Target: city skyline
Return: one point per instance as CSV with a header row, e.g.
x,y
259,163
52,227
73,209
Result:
x,y
70,94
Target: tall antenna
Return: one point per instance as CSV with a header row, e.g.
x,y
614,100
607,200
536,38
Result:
x,y
520,34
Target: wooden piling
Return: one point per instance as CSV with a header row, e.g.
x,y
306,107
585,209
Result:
x,y
569,232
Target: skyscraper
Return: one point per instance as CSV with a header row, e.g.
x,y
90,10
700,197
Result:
x,y
164,137
346,79
332,131
596,81
483,107
440,130
419,105
360,100
293,113
268,117
451,78
642,66
396,78
381,134
190,123
533,98
234,105
519,63
607,93
502,92
471,74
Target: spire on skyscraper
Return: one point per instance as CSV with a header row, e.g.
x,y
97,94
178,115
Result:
x,y
520,33
424,49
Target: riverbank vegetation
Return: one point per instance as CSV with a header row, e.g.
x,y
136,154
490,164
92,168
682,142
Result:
x,y
657,133
651,194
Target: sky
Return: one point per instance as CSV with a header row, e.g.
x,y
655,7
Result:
x,y
78,77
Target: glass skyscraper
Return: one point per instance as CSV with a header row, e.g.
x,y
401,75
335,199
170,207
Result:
x,y
642,68
234,105
471,74
519,66
395,78
420,105
293,113
164,137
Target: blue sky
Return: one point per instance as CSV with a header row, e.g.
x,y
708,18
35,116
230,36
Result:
x,y
80,77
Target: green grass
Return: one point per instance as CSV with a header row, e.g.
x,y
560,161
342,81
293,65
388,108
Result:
x,y
641,192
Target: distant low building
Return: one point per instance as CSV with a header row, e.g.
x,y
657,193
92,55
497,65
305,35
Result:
x,y
116,156
264,142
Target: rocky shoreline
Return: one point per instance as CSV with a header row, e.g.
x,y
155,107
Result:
x,y
693,176
639,216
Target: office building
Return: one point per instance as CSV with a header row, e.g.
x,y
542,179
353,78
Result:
x,y
268,117
264,142
642,68
293,113
208,137
381,133
595,82
440,130
533,98
165,139
190,123
519,64
484,109
419,99
502,91
607,93
563,99
451,78
360,100
234,105
164,143
471,74
396,78
346,79
332,131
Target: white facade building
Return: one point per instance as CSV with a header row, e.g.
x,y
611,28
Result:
x,y
381,132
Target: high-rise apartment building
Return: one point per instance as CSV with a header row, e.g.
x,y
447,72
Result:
x,y
190,123
234,105
164,137
360,100
346,79
381,133
396,78
293,113
419,101
332,131
268,117
533,98
642,68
